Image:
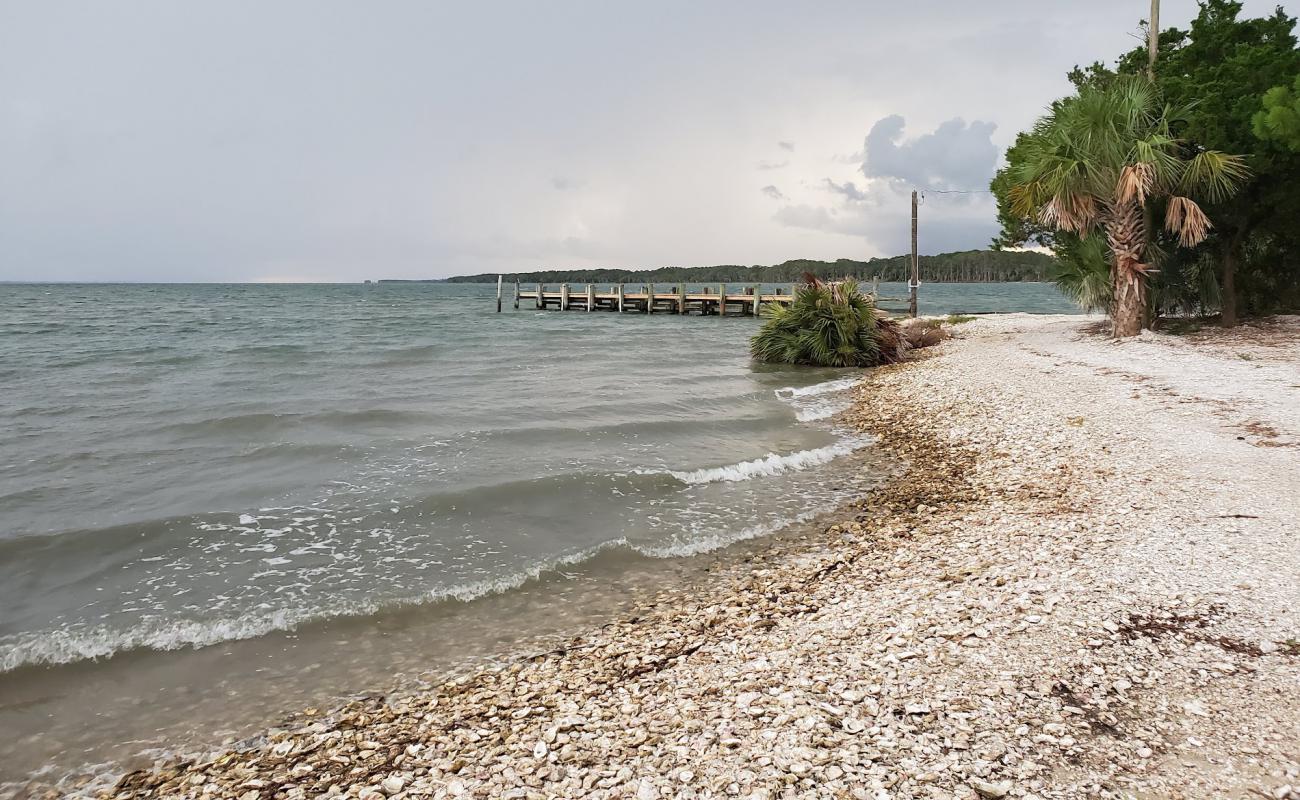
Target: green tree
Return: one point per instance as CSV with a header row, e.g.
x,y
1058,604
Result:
x,y
828,325
1279,119
1218,71
1102,161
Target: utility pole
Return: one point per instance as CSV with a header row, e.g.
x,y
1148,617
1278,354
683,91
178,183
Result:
x,y
916,266
1153,39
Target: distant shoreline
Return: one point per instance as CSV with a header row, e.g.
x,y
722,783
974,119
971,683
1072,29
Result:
x,y
967,266
480,281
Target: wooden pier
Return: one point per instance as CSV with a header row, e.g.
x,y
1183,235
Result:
x,y
717,300
649,298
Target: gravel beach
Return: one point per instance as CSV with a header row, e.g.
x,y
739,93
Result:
x,y
1085,583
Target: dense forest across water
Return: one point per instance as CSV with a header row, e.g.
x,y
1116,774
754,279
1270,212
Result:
x,y
970,266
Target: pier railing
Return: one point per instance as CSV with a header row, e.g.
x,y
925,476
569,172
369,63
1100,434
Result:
x,y
647,298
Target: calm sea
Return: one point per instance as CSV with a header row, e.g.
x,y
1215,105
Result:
x,y
219,502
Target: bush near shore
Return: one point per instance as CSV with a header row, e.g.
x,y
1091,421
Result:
x,y
836,325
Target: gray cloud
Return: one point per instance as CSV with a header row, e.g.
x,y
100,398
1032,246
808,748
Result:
x,y
786,146
564,184
849,189
886,223
957,155
766,165
879,211
811,217
772,192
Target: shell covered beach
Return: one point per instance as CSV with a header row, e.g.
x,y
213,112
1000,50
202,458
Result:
x,y
1084,583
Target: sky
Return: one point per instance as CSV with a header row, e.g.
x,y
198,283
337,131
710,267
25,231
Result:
x,y
318,140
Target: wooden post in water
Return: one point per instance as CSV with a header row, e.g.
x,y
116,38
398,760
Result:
x,y
649,297
758,300
681,298
619,292
516,294
541,302
564,297
499,279
591,296
916,266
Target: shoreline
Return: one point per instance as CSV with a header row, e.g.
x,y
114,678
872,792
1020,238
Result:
x,y
1008,617
411,647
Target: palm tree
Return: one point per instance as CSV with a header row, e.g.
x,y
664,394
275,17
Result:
x,y
1102,161
828,325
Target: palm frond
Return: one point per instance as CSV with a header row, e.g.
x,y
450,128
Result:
x,y
826,324
1185,219
1135,182
1213,174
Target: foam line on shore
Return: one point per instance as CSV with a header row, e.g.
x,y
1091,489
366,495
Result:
x,y
66,646
772,463
826,387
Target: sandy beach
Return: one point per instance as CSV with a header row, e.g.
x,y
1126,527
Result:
x,y
1086,583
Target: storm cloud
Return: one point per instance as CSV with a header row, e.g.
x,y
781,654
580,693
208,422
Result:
x,y
956,155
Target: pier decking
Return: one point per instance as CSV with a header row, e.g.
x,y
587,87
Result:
x,y
649,298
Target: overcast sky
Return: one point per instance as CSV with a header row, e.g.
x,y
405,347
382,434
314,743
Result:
x,y
322,140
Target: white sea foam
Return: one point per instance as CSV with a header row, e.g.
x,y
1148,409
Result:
x,y
820,408
772,463
837,385
713,541
83,643
819,401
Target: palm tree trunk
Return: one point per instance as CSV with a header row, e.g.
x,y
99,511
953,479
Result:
x,y
1126,235
1228,287
1130,303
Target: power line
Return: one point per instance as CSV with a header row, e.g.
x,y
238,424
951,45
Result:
x,y
924,192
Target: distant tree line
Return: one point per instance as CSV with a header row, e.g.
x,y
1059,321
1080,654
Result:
x,y
971,266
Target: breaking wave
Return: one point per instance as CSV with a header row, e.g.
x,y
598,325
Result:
x,y
772,463
68,645
837,385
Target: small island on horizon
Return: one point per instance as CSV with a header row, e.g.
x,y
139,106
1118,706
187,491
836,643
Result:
x,y
967,266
